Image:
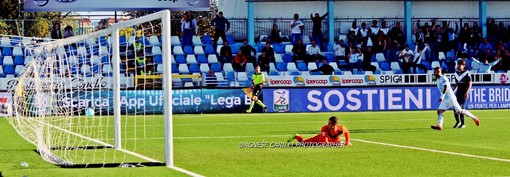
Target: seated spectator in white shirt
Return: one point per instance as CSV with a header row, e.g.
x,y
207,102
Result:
x,y
314,52
340,50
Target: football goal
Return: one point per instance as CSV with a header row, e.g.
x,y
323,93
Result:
x,y
100,99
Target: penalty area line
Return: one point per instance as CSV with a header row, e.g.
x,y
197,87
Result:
x,y
433,150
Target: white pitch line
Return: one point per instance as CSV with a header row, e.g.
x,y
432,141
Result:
x,y
433,150
186,171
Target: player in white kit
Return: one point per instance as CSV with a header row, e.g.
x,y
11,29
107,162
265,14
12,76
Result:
x,y
447,100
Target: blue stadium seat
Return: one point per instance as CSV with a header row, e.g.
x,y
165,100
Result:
x,y
451,54
123,41
96,69
188,50
330,57
105,59
7,51
230,39
301,66
294,73
399,71
230,76
274,73
209,49
287,57
202,59
206,40
179,59
259,47
384,66
15,40
359,72
193,68
144,40
1,61
216,67
234,48
158,59
174,68
281,66
8,69
278,48
427,64
19,60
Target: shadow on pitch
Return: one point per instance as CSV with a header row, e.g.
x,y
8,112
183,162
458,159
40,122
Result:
x,y
393,130
377,130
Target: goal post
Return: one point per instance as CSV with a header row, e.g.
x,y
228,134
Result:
x,y
78,104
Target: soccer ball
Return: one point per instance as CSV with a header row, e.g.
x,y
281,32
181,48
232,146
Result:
x,y
5,108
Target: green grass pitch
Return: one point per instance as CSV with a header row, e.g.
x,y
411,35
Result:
x,y
209,145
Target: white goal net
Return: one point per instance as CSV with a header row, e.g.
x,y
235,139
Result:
x,y
98,99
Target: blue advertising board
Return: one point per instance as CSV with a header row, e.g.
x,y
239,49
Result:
x,y
377,99
113,5
151,101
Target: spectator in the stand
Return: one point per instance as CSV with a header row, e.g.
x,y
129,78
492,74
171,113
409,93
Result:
x,y
226,53
264,61
397,34
314,52
248,50
373,35
506,60
485,67
276,36
354,28
484,46
452,38
269,52
189,28
381,43
68,31
240,61
367,60
210,79
392,47
407,57
501,45
325,68
352,37
384,29
363,34
317,28
416,62
475,36
501,31
492,31
296,27
55,31
221,27
299,51
487,55
430,40
464,35
420,38
498,56
354,56
340,51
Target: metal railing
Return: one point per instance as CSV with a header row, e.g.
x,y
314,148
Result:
x,y
263,26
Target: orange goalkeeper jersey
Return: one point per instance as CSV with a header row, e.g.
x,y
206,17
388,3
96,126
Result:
x,y
333,135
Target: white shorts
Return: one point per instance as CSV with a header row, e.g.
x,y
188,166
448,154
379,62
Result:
x,y
450,102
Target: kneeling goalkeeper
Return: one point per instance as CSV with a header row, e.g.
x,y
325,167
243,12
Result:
x,y
330,133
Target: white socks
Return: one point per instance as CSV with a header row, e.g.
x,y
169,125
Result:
x,y
440,119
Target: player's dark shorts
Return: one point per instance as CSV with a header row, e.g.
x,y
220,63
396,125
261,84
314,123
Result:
x,y
461,100
256,90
